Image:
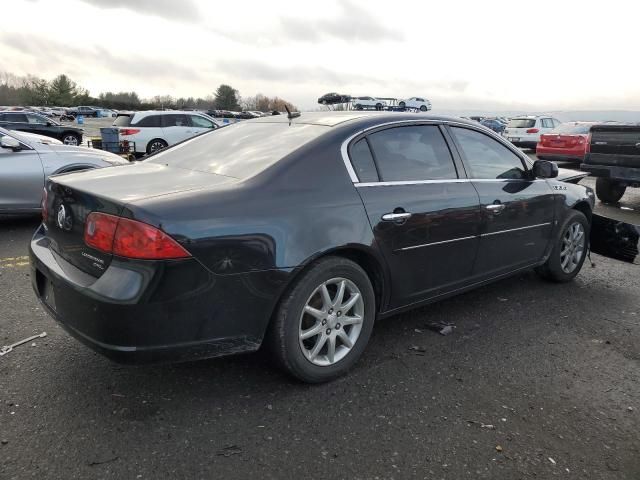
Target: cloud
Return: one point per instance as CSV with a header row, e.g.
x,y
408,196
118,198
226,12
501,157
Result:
x,y
355,23
66,58
182,10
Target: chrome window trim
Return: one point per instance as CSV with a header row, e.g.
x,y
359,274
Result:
x,y
344,148
452,180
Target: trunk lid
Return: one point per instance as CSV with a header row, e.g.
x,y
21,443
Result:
x,y
72,197
553,140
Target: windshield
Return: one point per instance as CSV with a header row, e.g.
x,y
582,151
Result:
x,y
573,128
522,123
239,150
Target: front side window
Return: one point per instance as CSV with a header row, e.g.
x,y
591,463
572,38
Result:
x,y
201,122
487,158
362,161
36,119
417,152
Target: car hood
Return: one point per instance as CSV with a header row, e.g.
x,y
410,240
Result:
x,y
571,176
34,137
81,153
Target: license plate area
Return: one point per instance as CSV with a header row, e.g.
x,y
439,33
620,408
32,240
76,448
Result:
x,y
514,139
46,291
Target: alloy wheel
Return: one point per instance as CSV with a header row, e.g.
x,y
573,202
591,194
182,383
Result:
x,y
331,321
156,146
70,140
573,245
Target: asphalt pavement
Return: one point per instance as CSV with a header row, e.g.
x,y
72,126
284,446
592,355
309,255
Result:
x,y
537,380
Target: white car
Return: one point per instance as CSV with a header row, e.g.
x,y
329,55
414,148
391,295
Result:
x,y
153,130
420,103
360,103
525,131
27,159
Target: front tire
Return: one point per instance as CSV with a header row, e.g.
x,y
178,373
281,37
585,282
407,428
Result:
x,y
324,321
608,190
423,108
402,104
569,251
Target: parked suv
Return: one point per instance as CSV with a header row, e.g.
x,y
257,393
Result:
x,y
415,102
360,103
525,131
152,130
39,124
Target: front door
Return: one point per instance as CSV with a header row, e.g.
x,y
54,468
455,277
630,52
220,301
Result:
x,y
517,210
425,218
21,180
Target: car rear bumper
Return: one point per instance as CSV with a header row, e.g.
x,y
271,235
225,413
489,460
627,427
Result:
x,y
150,312
627,175
558,155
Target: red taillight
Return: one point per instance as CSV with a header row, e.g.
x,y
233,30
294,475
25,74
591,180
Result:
x,y
129,131
533,130
45,212
129,238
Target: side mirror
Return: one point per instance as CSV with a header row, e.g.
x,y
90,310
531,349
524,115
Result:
x,y
10,142
545,169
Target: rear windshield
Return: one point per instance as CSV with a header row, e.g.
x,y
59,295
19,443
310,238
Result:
x,y
122,121
573,128
239,150
522,123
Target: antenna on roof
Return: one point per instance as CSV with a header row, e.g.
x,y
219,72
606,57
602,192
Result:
x,y
291,114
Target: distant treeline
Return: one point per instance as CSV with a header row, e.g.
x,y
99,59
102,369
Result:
x,y
62,91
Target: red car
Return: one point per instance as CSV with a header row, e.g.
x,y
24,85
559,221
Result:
x,y
567,143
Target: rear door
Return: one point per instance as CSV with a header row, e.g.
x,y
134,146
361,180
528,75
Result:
x,y
21,179
424,216
176,127
517,211
19,122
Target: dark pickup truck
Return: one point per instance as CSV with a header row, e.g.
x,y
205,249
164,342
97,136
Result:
x,y
613,157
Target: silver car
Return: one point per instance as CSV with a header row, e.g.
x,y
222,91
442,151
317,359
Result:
x,y
26,160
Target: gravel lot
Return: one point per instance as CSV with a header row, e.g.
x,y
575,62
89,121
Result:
x,y
537,381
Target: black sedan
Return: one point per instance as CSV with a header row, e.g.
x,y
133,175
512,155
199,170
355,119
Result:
x,y
31,122
297,233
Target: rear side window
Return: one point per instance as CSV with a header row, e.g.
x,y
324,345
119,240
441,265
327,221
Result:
x,y
547,123
150,121
17,117
487,158
362,161
412,153
522,123
122,121
176,120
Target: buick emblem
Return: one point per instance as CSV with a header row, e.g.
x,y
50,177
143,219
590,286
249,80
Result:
x,y
64,220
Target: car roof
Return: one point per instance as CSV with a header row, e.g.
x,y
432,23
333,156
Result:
x,y
166,112
332,119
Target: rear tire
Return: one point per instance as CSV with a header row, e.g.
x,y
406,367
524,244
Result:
x,y
402,104
569,250
156,145
324,344
423,108
608,190
358,107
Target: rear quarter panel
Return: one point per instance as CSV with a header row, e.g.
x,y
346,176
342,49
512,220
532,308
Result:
x,y
282,218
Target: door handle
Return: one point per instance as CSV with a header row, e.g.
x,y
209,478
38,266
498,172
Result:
x,y
394,217
495,208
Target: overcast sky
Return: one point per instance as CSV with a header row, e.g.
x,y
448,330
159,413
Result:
x,y
511,55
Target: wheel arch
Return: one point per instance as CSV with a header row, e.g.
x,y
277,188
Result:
x,y
584,207
153,140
